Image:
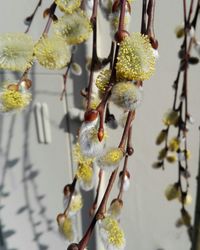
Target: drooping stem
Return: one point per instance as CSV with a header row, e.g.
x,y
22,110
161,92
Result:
x,y
94,51
65,78
122,15
94,205
51,12
131,116
144,15
150,24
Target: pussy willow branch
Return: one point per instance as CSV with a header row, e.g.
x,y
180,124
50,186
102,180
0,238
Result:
x,y
102,207
30,18
184,67
144,16
46,29
150,24
180,70
190,11
94,51
84,242
51,12
65,77
96,62
94,205
128,147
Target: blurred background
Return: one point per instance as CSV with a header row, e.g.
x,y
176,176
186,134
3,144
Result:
x,y
33,173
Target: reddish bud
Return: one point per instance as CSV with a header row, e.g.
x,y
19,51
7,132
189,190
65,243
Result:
x,y
90,115
61,218
100,134
154,42
130,151
120,35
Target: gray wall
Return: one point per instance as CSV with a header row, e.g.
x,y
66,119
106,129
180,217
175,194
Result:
x,y
148,219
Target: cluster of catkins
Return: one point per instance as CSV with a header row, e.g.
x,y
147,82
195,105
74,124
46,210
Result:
x,y
176,121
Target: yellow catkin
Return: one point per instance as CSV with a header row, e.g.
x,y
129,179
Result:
x,y
171,158
14,100
161,137
170,117
75,28
126,95
172,192
174,144
76,203
135,60
67,229
16,51
80,158
162,154
115,233
103,80
84,172
68,6
111,158
52,52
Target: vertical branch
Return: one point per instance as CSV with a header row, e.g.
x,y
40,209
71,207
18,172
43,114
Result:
x,y
94,52
150,24
51,13
144,16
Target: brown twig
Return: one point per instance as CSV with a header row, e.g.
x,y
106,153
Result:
x,y
65,78
144,16
119,197
150,23
94,51
51,12
94,205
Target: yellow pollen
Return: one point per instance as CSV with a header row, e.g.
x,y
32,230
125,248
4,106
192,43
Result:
x,y
67,229
76,203
12,99
115,233
135,60
84,172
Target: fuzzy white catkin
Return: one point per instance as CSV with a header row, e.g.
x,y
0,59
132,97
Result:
x,y
88,140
